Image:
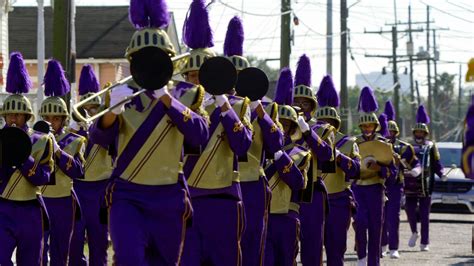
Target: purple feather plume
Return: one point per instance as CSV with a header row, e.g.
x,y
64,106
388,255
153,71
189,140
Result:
x,y
389,111
18,80
383,125
88,81
422,116
303,71
148,13
234,38
367,101
284,88
197,32
55,83
327,94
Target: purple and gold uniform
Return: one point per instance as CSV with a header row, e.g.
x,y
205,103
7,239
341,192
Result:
x,y
418,188
59,197
341,200
467,161
23,218
369,190
394,187
213,179
91,190
148,193
320,140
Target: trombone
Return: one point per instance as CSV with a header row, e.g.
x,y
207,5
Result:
x,y
152,69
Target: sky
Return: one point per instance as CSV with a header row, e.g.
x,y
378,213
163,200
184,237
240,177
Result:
x,y
262,32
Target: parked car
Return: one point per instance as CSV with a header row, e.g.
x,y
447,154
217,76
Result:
x,y
456,194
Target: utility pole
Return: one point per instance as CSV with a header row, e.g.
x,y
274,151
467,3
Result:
x,y
428,59
61,35
410,52
460,91
396,96
329,38
40,54
285,46
435,102
343,94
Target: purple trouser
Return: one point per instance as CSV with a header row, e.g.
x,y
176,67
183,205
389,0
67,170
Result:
x,y
214,238
256,197
335,230
147,223
391,223
21,226
283,234
312,217
90,195
62,216
425,208
369,218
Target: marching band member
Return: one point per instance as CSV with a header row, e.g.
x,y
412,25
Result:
x,y
377,166
287,174
61,201
408,163
467,162
319,138
22,214
213,177
341,199
91,189
267,138
418,188
148,191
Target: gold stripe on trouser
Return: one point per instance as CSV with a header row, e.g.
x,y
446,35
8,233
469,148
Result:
x,y
186,215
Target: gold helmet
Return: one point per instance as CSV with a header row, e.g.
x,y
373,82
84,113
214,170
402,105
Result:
x,y
303,82
328,101
55,87
289,113
367,107
150,37
18,82
197,58
422,120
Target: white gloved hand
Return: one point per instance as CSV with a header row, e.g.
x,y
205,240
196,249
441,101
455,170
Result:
x,y
444,178
74,125
303,125
159,93
117,95
55,143
254,105
221,100
277,155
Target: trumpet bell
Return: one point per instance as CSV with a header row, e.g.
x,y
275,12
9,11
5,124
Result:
x,y
151,68
218,75
252,83
15,147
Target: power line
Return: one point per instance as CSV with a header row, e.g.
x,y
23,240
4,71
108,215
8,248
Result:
x,y
447,13
462,7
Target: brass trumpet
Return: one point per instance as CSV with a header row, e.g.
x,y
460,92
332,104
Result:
x,y
150,68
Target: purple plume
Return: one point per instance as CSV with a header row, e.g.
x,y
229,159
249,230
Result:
x,y
197,32
389,111
88,81
18,80
383,125
367,101
327,94
422,116
148,13
55,83
284,88
234,38
303,71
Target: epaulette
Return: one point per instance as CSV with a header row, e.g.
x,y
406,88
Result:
x,y
193,97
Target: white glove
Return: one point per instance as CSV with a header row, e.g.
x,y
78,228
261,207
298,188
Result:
x,y
277,155
303,125
444,178
74,125
159,93
221,100
413,172
117,95
55,143
254,105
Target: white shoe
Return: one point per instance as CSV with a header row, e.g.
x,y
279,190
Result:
x,y
412,241
362,262
394,254
384,250
424,247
